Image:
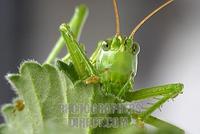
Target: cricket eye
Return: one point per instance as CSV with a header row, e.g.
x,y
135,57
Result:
x,y
135,48
105,46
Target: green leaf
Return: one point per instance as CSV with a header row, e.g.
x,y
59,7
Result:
x,y
43,88
16,121
3,128
68,69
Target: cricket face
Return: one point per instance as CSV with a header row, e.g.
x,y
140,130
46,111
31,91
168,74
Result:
x,y
118,58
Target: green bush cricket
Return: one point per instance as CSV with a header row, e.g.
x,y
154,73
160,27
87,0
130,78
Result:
x,y
113,65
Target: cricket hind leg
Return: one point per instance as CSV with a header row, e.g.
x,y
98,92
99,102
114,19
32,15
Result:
x,y
167,92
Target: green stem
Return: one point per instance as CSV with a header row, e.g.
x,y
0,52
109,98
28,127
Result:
x,y
76,24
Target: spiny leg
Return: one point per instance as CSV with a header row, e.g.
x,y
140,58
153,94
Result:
x,y
167,91
81,63
67,57
158,123
77,22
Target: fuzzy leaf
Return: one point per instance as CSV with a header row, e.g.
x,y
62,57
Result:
x,y
16,121
3,128
43,88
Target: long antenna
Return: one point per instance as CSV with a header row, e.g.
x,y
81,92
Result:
x,y
148,17
116,17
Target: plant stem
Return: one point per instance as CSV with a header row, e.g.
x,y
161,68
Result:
x,y
76,24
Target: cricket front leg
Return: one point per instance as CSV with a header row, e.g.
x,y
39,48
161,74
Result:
x,y
94,56
81,63
167,92
77,22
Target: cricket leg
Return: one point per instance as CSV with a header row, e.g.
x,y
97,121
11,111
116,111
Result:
x,y
166,91
81,63
67,58
158,123
127,86
77,22
96,53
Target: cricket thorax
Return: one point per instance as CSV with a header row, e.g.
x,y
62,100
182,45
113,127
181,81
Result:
x,y
117,60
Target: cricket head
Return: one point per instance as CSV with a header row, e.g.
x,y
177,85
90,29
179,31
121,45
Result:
x,y
117,58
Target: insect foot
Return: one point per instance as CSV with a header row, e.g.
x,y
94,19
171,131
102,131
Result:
x,y
139,123
92,80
